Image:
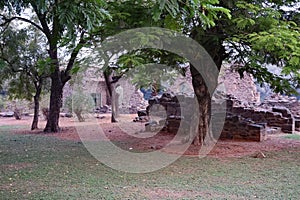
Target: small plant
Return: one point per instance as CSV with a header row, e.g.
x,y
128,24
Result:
x,y
80,103
18,107
2,103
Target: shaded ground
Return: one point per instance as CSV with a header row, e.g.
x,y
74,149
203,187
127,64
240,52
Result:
x,y
130,136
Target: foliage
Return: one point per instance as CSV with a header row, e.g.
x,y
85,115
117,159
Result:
x,y
148,66
68,26
23,65
266,36
80,103
167,14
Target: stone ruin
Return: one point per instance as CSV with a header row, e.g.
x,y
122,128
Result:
x,y
277,112
248,123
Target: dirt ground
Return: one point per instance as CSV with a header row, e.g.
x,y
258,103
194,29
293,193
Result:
x,y
131,136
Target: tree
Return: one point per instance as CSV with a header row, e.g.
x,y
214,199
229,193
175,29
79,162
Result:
x,y
250,34
175,15
68,26
257,34
23,67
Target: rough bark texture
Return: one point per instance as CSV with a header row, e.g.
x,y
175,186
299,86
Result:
x,y
55,103
36,99
110,92
35,120
204,101
213,44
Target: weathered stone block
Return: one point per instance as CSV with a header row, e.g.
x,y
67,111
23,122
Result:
x,y
297,123
284,111
287,128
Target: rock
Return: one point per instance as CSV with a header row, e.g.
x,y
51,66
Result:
x,y
283,110
153,101
100,117
142,113
7,114
69,115
273,130
259,155
297,124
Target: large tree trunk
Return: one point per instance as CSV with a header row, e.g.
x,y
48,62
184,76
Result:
x,y
204,102
36,98
214,46
55,103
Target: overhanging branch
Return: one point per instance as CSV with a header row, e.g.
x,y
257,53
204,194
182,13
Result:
x,y
74,54
9,20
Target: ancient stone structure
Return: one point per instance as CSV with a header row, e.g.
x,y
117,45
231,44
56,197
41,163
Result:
x,y
247,118
290,103
277,117
237,126
168,107
175,112
244,89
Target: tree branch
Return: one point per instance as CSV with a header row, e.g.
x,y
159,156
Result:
x,y
74,54
42,19
10,64
9,20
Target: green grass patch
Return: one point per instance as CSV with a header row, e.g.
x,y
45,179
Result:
x,y
44,167
292,136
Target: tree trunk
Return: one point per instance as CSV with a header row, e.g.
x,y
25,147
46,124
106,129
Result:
x,y
79,115
214,46
110,91
204,102
36,99
18,114
55,103
35,120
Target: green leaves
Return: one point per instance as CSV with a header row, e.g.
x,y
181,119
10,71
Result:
x,y
77,16
243,23
23,65
260,35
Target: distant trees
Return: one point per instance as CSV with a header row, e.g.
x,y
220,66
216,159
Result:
x,y
23,66
67,25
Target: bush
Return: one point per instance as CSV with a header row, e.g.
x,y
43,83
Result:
x,y
80,103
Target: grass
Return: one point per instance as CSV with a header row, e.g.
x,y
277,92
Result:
x,y
43,167
292,136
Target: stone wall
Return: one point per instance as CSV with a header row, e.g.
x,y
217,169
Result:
x,y
241,123
130,98
236,127
277,100
244,89
277,117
